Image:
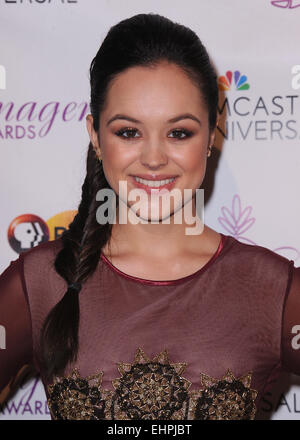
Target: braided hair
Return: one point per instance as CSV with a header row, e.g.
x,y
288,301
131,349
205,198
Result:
x,y
142,40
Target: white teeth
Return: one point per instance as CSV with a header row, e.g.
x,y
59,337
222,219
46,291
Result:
x,y
154,183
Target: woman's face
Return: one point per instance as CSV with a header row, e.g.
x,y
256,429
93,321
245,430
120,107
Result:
x,y
153,132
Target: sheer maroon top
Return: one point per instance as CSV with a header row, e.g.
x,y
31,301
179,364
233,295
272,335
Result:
x,y
205,346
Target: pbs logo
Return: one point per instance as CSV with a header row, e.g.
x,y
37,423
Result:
x,y
26,232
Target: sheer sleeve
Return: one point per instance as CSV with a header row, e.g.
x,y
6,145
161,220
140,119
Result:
x,y
290,353
16,356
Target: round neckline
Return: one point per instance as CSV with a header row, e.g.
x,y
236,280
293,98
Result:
x,y
224,239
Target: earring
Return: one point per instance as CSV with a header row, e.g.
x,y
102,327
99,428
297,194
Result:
x,y
209,150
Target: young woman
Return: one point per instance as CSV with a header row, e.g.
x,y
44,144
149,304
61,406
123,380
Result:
x,y
142,320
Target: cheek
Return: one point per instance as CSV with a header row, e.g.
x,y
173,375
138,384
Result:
x,y
194,159
117,154
116,159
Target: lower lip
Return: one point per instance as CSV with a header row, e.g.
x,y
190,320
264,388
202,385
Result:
x,y
151,189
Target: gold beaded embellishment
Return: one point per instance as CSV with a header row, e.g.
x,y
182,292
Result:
x,y
151,389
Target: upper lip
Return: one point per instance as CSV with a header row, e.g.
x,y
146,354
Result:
x,y
154,177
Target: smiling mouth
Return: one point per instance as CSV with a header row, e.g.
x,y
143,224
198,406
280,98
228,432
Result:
x,y
154,183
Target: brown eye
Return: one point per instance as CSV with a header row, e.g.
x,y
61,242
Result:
x,y
127,133
181,134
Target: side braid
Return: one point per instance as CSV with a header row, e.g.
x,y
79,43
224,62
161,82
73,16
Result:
x,y
82,244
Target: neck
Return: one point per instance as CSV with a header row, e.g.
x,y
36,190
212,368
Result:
x,y
161,239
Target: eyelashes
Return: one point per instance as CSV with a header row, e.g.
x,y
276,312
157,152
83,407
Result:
x,y
180,134
131,131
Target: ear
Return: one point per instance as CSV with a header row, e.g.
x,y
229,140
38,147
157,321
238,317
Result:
x,y
212,135
93,135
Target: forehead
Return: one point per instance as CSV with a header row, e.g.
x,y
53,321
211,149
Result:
x,y
163,87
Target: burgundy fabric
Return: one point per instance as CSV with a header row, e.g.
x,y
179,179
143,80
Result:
x,y
238,312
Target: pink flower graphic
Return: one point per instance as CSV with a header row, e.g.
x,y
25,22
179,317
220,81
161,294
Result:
x,y
237,221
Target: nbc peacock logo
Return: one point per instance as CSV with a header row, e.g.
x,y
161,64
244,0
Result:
x,y
240,81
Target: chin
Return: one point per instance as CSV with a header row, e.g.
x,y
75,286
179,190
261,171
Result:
x,y
148,215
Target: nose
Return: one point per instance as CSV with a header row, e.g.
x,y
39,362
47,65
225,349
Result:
x,y
153,155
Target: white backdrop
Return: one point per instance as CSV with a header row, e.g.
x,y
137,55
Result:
x,y
46,49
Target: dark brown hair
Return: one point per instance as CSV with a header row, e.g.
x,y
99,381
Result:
x,y
142,40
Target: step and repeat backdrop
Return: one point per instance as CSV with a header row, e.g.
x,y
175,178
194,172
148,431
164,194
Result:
x,y
252,182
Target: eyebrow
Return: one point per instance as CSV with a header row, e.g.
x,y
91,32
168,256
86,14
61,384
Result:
x,y
176,119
